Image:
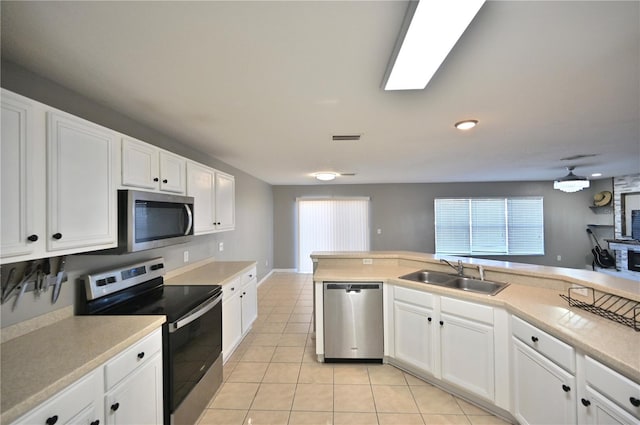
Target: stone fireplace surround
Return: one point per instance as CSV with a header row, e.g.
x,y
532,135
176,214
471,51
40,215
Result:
x,y
621,185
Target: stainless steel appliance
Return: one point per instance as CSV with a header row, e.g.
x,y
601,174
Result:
x,y
149,220
353,325
192,335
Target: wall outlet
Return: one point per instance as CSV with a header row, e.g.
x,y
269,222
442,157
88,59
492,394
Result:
x,y
266,263
559,257
220,246
185,256
367,261
379,231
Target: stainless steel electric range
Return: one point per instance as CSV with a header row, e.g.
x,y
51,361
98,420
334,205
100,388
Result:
x,y
192,334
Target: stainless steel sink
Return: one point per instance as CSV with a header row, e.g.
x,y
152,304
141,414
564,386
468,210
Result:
x,y
456,282
428,277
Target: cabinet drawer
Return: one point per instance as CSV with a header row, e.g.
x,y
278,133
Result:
x,y
412,296
473,311
551,347
231,288
614,386
71,402
134,356
248,275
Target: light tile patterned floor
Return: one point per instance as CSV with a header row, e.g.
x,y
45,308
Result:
x,y
273,376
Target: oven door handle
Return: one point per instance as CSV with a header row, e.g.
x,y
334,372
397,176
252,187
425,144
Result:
x,y
195,314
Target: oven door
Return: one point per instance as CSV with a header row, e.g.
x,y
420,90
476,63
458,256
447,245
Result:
x,y
195,342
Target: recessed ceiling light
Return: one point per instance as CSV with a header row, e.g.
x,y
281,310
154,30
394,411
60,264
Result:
x,y
466,124
596,175
430,30
325,176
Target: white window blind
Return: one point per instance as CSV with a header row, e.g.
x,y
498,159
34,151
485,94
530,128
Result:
x,y
335,224
489,226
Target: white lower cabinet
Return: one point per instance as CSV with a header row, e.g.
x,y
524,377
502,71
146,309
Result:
x,y
467,354
142,388
414,329
125,390
606,397
133,381
543,392
239,310
543,376
80,403
447,338
231,317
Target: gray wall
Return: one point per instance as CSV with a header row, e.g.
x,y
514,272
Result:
x,y
404,213
251,240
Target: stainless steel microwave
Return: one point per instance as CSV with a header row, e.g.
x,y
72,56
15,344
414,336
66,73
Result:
x,y
149,220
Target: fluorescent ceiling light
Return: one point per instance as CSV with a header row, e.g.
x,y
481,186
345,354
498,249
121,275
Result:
x,y
325,176
432,30
571,183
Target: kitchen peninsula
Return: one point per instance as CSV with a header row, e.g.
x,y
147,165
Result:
x,y
496,350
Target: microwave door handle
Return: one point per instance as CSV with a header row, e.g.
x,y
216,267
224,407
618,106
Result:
x,y
190,216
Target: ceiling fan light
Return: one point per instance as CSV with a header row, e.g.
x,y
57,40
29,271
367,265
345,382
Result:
x,y
325,176
571,183
466,124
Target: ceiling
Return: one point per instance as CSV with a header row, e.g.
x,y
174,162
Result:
x,y
263,86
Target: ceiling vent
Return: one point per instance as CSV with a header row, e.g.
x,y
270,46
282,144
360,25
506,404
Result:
x,y
346,137
347,174
573,158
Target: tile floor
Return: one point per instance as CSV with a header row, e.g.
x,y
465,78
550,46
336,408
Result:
x,y
273,376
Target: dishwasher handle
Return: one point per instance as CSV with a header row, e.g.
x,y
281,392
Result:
x,y
352,287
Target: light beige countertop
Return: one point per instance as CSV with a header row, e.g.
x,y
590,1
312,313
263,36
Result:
x,y
39,364
533,294
210,273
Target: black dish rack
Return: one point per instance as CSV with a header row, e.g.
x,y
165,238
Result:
x,y
613,307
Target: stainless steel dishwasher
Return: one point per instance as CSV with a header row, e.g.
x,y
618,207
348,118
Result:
x,y
353,326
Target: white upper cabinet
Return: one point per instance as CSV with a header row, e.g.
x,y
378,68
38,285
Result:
x,y
58,182
140,164
200,185
147,167
81,210
21,164
225,201
214,198
172,172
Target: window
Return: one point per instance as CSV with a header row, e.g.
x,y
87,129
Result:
x,y
489,226
331,224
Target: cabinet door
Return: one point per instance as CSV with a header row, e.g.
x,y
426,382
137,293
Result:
x,y
466,350
225,202
543,393
18,234
414,331
249,298
231,323
172,172
596,409
81,192
140,164
137,400
200,185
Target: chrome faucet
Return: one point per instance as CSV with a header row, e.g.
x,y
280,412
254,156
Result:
x,y
459,268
